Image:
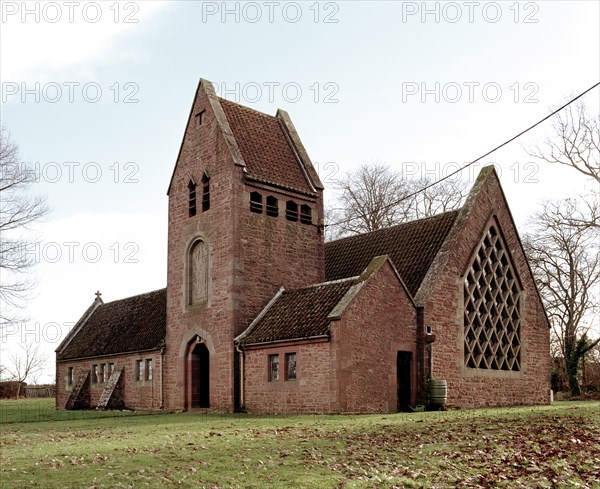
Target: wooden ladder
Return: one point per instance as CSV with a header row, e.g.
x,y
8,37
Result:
x,y
109,390
76,398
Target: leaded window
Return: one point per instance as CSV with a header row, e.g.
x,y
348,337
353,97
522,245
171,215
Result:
x,y
492,308
273,368
290,366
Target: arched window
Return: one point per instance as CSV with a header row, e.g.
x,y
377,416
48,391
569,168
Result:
x,y
198,272
256,204
205,193
272,206
305,214
191,198
291,210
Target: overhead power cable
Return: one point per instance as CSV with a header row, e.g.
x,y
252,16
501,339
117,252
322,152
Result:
x,y
392,204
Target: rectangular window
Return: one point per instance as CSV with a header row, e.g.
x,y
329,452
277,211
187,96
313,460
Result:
x,y
191,199
148,373
138,370
70,376
290,366
205,193
111,369
273,368
102,377
94,374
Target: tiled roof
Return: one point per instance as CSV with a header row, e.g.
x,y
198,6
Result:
x,y
298,313
411,246
265,148
136,323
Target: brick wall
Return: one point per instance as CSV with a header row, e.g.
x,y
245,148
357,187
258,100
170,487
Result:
x,y
137,394
444,313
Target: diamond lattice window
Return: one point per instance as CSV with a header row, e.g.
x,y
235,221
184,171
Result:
x,y
492,315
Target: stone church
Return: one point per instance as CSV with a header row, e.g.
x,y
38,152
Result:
x,y
260,314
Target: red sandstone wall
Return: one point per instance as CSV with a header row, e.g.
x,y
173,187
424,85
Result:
x,y
251,256
313,391
143,395
380,321
276,252
204,149
444,313
356,370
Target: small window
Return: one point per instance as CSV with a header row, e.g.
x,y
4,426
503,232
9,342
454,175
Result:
x,y
111,369
273,368
148,372
291,210
101,376
192,198
70,376
94,374
205,193
256,204
272,206
305,214
138,370
290,366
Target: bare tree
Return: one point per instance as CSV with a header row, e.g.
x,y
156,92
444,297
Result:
x,y
25,364
566,263
444,196
375,196
18,211
575,142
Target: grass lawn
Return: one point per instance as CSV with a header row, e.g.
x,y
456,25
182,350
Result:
x,y
549,446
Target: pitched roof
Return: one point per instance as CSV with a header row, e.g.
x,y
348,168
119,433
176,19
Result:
x,y
267,151
136,323
297,314
411,246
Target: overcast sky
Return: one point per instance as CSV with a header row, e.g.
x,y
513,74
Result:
x,y
96,95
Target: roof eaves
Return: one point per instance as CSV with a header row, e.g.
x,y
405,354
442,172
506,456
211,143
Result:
x,y
288,340
277,186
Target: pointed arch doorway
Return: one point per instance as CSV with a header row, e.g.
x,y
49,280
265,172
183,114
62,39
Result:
x,y
198,378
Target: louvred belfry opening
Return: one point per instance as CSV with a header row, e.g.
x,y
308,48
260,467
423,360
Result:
x,y
492,308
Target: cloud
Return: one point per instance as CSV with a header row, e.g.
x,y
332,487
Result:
x,y
41,38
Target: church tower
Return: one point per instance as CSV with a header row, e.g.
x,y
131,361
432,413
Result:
x,y
245,218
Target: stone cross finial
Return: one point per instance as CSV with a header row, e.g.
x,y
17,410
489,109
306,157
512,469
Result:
x,y
98,294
